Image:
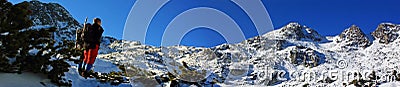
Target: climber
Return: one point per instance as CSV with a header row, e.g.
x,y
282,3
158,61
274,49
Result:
x,y
92,40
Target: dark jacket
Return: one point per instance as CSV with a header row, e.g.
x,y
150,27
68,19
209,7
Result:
x,y
96,32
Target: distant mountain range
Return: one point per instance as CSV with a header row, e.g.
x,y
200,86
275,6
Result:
x,y
293,49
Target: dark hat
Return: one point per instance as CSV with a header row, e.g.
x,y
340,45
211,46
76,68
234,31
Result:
x,y
96,20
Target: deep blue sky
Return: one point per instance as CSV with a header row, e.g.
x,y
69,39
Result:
x,y
327,17
331,17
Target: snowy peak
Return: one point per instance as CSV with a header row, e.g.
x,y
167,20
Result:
x,y
50,14
354,37
299,32
45,15
386,32
292,31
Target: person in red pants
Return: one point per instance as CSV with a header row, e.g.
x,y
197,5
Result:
x,y
92,42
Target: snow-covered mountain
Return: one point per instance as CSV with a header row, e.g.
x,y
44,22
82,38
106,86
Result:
x,y
386,32
297,54
294,55
296,31
47,15
353,37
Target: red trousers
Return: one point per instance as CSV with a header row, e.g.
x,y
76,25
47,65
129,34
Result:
x,y
90,55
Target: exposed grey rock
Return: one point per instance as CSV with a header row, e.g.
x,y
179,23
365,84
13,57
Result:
x,y
386,33
301,55
354,37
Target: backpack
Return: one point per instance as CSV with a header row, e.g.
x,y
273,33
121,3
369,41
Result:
x,y
84,36
87,35
79,42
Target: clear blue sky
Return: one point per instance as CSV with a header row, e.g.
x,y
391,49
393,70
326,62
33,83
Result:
x,y
328,17
331,17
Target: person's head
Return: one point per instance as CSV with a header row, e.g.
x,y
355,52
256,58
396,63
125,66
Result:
x,y
97,21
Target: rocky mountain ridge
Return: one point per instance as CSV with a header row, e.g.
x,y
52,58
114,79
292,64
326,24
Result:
x,y
45,15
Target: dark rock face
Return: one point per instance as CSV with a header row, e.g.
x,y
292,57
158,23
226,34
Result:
x,y
53,15
386,33
298,32
306,56
50,13
354,37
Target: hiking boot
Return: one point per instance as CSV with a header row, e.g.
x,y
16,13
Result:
x,y
90,74
83,74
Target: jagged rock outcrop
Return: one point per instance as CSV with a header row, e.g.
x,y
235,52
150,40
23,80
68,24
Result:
x,y
45,15
301,55
353,37
386,33
259,42
298,32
